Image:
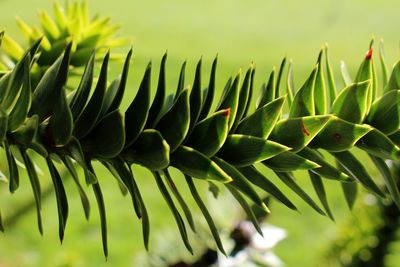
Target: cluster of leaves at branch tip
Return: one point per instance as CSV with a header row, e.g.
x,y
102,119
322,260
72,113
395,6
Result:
x,y
224,146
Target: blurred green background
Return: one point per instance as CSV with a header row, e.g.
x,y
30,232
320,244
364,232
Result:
x,y
240,32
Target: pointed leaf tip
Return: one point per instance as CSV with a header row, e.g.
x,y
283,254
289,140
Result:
x,y
368,55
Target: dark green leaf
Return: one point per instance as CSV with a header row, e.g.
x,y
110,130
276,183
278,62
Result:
x,y
195,164
350,191
138,110
50,86
181,82
246,208
88,118
355,169
231,100
3,124
258,179
209,135
82,194
303,102
107,138
180,200
243,96
34,180
297,133
61,198
268,92
319,188
210,91
12,168
103,219
174,125
174,210
150,150
61,122
240,182
81,95
288,179
115,94
378,144
244,150
289,161
385,112
263,120
206,214
158,101
196,100
326,170
390,180
18,114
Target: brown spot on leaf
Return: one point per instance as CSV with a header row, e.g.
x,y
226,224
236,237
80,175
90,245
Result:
x,y
337,137
304,129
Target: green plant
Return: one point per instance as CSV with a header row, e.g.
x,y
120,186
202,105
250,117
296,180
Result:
x,y
71,23
182,131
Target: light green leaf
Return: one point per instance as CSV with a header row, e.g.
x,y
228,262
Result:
x,y
280,74
320,89
382,60
263,120
330,76
339,135
297,133
352,102
303,102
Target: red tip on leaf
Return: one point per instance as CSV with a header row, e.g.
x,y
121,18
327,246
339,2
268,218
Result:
x,y
226,112
368,55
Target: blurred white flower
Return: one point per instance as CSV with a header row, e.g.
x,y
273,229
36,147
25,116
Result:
x,y
259,248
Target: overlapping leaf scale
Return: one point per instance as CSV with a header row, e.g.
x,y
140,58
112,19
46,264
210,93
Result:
x,y
178,132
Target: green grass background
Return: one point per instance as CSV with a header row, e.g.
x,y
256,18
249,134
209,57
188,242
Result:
x,y
240,32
